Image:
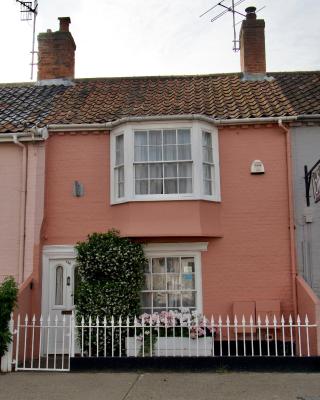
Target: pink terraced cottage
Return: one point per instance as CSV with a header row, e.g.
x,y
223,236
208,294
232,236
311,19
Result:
x,y
196,167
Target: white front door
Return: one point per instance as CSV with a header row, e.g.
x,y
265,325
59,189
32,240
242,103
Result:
x,y
58,301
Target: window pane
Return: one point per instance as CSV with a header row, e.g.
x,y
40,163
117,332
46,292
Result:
x,y
159,300
207,155
140,138
207,171
207,187
158,265
141,187
184,136
174,300
147,282
188,281
206,139
169,136
156,186
170,170
155,138
146,299
159,281
141,171
173,264
185,185
156,170
119,181
141,153
173,281
146,267
170,152
188,299
120,174
120,190
59,286
119,150
207,147
184,152
185,170
187,265
155,153
171,186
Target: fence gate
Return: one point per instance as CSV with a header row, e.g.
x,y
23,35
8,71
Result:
x,y
43,344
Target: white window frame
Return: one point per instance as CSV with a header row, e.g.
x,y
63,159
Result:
x,y
196,129
114,188
192,249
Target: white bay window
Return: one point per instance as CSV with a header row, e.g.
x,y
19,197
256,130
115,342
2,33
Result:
x,y
167,161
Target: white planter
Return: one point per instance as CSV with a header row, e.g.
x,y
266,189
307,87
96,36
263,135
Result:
x,y
170,347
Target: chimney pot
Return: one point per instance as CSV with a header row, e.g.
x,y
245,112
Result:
x,y
64,24
251,13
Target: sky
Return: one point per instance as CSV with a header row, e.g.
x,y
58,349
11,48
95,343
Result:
x,y
160,37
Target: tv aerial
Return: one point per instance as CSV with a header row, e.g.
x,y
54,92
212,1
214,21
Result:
x,y
229,6
28,12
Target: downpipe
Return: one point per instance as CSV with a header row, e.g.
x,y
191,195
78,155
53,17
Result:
x,y
291,218
23,207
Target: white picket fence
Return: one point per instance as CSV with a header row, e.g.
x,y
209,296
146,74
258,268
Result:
x,y
48,344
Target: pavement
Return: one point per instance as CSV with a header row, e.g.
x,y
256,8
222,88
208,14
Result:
x,y
158,386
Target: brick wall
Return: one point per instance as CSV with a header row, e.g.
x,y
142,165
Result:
x,y
56,53
252,45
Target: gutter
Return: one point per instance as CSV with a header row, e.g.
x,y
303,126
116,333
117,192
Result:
x,y
291,217
34,134
42,133
162,118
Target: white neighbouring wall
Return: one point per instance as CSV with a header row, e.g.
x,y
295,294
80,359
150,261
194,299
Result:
x,y
306,151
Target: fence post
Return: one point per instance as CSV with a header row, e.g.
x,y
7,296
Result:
x,y
6,359
72,333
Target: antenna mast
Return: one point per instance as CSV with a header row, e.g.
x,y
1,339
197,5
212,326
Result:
x,y
230,8
27,13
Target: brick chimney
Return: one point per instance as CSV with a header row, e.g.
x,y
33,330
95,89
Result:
x,y
56,51
252,46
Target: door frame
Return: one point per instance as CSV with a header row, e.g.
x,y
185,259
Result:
x,y
49,253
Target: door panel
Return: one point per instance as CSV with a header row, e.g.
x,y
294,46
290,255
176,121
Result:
x,y
60,305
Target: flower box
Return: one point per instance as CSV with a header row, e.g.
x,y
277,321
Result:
x,y
170,346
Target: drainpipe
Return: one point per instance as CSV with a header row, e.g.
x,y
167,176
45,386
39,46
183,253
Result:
x,y
291,219
23,206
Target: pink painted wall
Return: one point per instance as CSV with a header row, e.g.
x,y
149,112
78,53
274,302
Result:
x,y
309,304
11,161
250,262
10,178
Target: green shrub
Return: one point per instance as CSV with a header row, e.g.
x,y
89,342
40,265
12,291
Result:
x,y
110,278
8,300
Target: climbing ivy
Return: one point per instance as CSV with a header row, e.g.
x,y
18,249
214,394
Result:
x,y
110,279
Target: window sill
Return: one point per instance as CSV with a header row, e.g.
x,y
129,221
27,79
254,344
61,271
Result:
x,y
165,198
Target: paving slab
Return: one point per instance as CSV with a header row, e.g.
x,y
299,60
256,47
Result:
x,y
159,386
